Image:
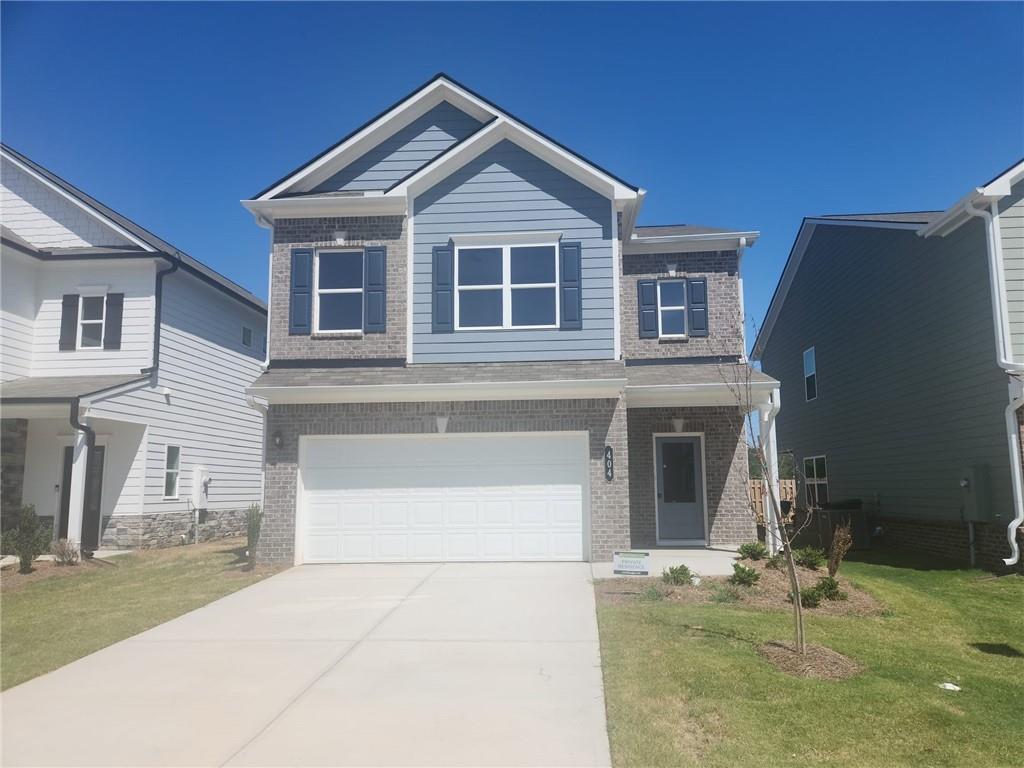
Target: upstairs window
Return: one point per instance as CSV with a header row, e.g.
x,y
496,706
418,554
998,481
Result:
x,y
506,287
810,375
92,313
816,481
338,292
671,309
247,336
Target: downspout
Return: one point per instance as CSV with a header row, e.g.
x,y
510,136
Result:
x,y
741,246
251,401
770,449
1004,356
158,305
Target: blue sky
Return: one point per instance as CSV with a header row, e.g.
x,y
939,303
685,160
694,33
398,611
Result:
x,y
741,115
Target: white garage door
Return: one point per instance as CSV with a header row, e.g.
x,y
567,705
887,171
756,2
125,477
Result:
x,y
442,497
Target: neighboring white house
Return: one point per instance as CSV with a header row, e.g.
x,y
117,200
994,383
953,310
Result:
x,y
123,368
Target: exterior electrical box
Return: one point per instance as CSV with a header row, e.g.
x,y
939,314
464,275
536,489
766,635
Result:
x,y
975,490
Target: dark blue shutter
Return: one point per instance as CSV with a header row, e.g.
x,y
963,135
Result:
x,y
375,290
570,285
300,318
112,323
647,308
697,290
443,304
68,322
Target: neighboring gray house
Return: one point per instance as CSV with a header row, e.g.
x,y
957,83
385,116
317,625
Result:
x,y
123,368
899,341
476,354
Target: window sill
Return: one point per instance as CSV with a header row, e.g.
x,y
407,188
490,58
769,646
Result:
x,y
338,335
671,339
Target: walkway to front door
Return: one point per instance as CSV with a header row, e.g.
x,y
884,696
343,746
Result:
x,y
414,664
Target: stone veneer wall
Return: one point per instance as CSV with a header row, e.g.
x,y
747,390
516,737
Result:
x,y
730,519
605,420
13,439
389,231
166,529
725,331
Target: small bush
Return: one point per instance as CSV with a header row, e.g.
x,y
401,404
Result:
x,y
64,552
28,538
829,589
723,593
652,594
776,562
842,540
253,522
809,557
810,597
678,575
753,550
743,576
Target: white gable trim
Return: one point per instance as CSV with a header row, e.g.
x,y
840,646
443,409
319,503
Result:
x,y
78,203
957,214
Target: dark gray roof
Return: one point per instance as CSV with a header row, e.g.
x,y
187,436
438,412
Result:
x,y
42,388
694,374
429,373
666,230
161,246
897,217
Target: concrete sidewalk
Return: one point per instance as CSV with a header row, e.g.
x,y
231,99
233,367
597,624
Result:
x,y
475,664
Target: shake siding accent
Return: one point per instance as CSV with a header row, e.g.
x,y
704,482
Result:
x,y
17,314
1011,224
908,389
507,189
407,150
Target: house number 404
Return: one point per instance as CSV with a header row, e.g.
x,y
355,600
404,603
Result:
x,y
609,463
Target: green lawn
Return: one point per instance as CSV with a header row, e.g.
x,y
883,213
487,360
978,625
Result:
x,y
49,622
685,686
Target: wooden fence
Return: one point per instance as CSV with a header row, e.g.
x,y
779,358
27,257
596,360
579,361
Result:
x,y
787,490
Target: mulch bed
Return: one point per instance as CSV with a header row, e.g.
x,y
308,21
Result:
x,y
818,662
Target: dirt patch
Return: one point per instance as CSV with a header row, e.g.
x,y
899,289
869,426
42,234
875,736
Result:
x,y
770,593
12,581
818,662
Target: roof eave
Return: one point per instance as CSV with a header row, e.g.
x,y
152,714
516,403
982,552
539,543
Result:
x,y
712,241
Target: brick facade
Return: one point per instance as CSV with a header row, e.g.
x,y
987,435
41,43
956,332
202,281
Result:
x,y
730,520
605,420
389,231
725,332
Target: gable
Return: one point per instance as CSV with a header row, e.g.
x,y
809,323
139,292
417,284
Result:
x,y
403,153
46,219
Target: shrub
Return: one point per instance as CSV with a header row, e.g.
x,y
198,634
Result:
x,y
678,575
776,562
28,538
809,557
829,589
723,593
64,552
743,576
652,594
842,540
753,550
253,522
810,597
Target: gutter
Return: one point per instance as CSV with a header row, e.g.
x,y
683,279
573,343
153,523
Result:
x,y
155,367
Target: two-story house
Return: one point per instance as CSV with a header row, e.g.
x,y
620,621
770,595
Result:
x,y
899,342
476,354
123,368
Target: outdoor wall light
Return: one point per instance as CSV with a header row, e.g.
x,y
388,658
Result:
x,y
277,439
677,425
442,424
340,236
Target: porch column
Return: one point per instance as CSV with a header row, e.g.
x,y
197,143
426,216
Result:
x,y
76,500
767,413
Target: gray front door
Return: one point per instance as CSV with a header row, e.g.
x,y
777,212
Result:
x,y
680,490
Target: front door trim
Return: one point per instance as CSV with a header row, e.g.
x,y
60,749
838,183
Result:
x,y
704,472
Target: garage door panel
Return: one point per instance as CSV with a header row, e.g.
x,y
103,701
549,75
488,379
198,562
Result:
x,y
393,514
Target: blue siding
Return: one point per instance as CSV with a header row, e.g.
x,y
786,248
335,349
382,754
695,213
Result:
x,y
406,151
507,189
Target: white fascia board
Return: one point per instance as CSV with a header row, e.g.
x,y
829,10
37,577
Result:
x,y
718,241
460,391
37,410
796,254
505,238
868,223
955,215
80,204
267,211
666,395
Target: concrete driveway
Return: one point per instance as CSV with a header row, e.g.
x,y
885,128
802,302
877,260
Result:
x,y
456,664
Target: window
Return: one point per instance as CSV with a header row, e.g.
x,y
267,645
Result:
x,y
172,461
506,287
671,308
92,311
338,294
816,481
246,336
810,375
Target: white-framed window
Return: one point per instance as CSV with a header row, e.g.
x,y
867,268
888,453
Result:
x,y
92,315
810,375
671,309
506,286
172,464
815,481
338,292
247,336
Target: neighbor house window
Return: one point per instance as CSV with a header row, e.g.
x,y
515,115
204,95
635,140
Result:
x,y
671,309
810,375
816,481
506,287
338,296
246,336
172,461
92,312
